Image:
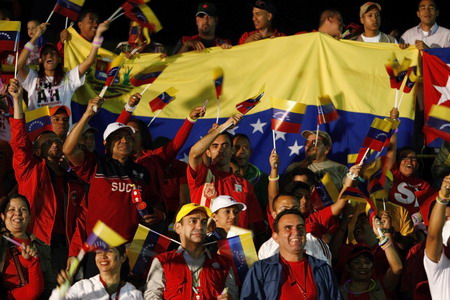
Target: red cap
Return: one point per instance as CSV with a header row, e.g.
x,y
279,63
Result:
x,y
55,109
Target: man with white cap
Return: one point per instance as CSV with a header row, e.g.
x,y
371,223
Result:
x,y
191,272
206,19
370,17
112,181
317,149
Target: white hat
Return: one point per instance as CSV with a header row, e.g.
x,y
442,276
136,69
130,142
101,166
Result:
x,y
113,127
223,201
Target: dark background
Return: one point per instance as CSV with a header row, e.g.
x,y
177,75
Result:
x,y
178,16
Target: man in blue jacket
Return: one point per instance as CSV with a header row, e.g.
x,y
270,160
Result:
x,y
291,272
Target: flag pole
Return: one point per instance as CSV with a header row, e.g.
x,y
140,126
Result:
x,y
51,14
364,157
384,204
153,119
273,138
396,99
148,85
218,110
164,236
15,65
67,21
64,288
118,16
400,102
115,13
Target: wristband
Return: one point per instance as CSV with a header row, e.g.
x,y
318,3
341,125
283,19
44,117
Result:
x,y
97,42
386,245
390,230
29,46
384,241
442,201
190,119
274,179
129,108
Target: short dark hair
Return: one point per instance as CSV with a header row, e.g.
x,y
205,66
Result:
x,y
228,135
147,141
282,194
328,13
296,185
286,212
84,13
241,135
8,199
434,2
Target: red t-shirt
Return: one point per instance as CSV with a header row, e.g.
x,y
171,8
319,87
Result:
x,y
247,34
206,184
408,192
318,223
297,280
60,223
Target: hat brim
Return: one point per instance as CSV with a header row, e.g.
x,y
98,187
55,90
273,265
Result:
x,y
189,210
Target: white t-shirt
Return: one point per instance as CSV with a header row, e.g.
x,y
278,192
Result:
x,y
92,288
438,276
313,247
45,94
374,39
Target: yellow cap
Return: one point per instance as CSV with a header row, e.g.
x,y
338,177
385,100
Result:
x,y
188,208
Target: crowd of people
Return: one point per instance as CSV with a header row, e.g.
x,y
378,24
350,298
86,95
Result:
x,y
56,185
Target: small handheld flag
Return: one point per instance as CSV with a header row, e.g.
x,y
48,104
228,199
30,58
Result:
x,y
114,68
287,115
162,100
145,246
218,81
326,111
9,35
247,105
378,134
38,121
136,198
142,14
411,79
102,237
438,121
69,8
241,250
325,193
397,71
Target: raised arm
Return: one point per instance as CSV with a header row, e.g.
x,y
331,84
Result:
x,y
197,150
433,248
273,187
96,43
22,61
74,154
16,91
386,242
349,180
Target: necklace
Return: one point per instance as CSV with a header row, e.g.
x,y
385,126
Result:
x,y
372,285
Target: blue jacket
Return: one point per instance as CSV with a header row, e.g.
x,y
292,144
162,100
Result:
x,y
264,279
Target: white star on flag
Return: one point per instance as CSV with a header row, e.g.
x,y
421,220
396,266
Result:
x,y
232,131
185,158
258,126
445,91
280,135
295,149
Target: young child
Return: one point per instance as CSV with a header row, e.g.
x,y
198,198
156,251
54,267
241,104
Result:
x,y
33,59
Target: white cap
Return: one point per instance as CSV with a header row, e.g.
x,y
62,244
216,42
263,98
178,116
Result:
x,y
113,127
223,201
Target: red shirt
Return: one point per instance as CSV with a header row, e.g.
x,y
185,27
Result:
x,y
207,183
247,34
297,280
408,192
317,223
60,222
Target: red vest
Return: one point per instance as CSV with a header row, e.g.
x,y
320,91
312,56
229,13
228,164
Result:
x,y
179,278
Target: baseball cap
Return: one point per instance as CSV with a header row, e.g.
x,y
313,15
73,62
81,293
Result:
x,y
59,108
47,46
366,6
190,207
207,8
223,201
324,135
113,127
266,5
359,249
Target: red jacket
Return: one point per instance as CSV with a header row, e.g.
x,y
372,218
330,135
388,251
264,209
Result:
x,y
179,278
35,183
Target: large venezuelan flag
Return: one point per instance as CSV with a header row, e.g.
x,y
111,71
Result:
x,y
351,73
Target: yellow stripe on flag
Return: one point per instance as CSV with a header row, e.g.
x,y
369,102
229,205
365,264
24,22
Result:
x,y
78,2
151,16
10,26
36,113
331,188
137,244
249,248
441,112
109,236
172,91
288,105
217,73
381,124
